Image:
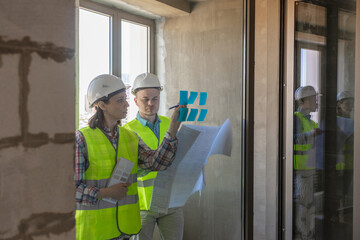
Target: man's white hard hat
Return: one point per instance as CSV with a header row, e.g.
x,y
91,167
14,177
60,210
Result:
x,y
103,85
146,80
344,94
305,91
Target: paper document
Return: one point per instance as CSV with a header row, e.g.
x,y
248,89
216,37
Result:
x,y
164,179
185,176
120,174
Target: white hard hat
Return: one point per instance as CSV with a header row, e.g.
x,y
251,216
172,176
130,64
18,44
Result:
x,y
146,80
305,91
344,94
103,85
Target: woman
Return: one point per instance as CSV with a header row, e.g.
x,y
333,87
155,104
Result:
x,y
98,148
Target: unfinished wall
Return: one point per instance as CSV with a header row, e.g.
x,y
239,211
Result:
x,y
266,117
203,52
37,119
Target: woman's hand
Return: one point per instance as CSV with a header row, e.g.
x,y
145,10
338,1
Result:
x,y
175,124
117,191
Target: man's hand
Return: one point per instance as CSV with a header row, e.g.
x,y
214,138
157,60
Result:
x,y
117,191
175,124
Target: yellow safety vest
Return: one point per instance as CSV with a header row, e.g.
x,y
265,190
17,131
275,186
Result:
x,y
348,155
99,221
146,183
301,150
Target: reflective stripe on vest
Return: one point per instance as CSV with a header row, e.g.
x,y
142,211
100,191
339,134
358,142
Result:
x,y
301,150
99,221
146,182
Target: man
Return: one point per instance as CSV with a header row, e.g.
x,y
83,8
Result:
x,y
345,123
305,131
345,104
151,127
345,158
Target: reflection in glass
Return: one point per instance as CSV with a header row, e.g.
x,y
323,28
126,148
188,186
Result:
x,y
94,55
323,120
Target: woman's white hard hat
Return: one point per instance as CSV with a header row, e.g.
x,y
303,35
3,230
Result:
x,y
103,85
146,80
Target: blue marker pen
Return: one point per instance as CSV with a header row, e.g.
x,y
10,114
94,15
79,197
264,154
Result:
x,y
174,106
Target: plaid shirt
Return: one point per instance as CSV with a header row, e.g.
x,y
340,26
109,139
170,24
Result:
x,y
155,160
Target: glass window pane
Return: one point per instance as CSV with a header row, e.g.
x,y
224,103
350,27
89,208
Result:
x,y
134,57
323,120
94,55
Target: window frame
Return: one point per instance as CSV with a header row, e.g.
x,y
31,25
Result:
x,y
117,16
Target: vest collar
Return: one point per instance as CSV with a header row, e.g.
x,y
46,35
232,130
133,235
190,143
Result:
x,y
145,122
305,113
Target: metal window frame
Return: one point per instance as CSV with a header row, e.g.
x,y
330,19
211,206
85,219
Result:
x,y
281,156
247,158
288,109
356,211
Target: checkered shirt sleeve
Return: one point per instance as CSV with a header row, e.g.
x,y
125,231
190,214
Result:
x,y
159,159
86,195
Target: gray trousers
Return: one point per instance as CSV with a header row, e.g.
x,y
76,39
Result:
x,y
304,208
171,225
124,238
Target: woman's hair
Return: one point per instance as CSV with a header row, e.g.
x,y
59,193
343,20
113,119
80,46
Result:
x,y
98,119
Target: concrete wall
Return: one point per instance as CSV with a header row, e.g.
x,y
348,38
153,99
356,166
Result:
x,y
37,95
203,52
266,117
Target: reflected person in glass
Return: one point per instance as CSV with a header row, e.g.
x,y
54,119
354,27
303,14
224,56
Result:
x,y
305,131
345,158
345,104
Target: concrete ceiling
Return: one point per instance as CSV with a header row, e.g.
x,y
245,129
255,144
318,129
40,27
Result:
x,y
165,8
153,8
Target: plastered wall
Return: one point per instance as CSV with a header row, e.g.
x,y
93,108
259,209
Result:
x,y
266,118
203,52
37,119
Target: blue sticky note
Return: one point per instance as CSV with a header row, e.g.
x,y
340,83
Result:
x,y
202,115
192,97
203,97
183,114
192,115
183,97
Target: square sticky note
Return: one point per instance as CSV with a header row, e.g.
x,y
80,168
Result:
x,y
183,97
183,114
192,97
202,115
192,115
203,97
